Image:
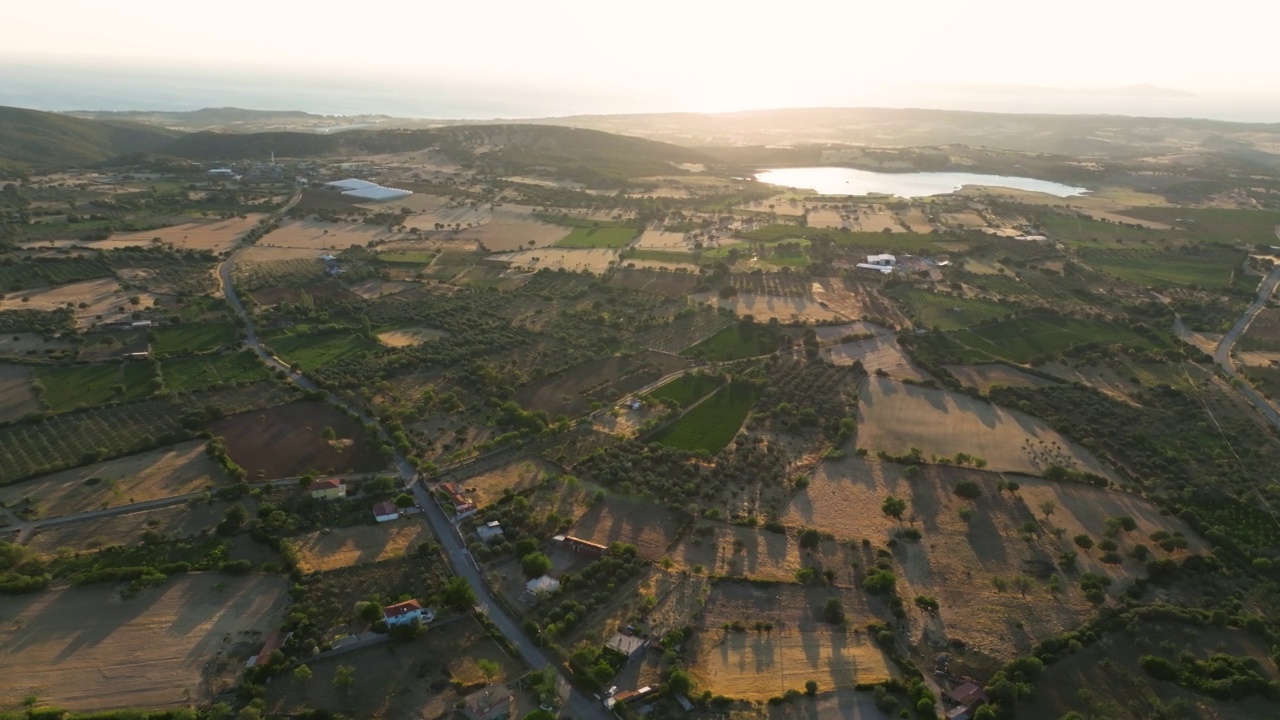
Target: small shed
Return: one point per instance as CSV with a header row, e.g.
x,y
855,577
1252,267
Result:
x,y
385,512
542,585
489,531
628,645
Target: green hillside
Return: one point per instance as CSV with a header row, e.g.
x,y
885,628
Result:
x,y
44,139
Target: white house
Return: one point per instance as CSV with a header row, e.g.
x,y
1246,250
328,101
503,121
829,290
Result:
x,y
385,512
886,260
542,585
403,613
489,531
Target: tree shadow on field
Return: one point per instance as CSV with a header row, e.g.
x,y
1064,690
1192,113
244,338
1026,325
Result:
x,y
80,603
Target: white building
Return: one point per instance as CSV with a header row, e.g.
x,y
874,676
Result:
x,y
885,260
403,613
544,585
489,531
386,512
365,190
886,269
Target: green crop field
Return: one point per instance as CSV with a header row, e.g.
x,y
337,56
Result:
x,y
68,387
945,312
711,425
198,372
601,237
316,351
1216,224
193,338
737,342
1025,338
687,389
38,273
898,242
1084,232
407,258
1210,267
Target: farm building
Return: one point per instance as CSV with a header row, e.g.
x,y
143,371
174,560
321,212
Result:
x,y
886,269
491,703
544,585
628,696
405,612
274,642
365,190
489,531
329,489
462,507
580,546
222,172
386,512
882,260
967,697
628,645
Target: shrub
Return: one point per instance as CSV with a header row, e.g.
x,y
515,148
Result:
x,y
968,489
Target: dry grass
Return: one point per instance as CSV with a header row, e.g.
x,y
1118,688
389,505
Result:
x,y
87,649
832,334
104,299
320,236
769,307
984,377
896,417
490,486
372,289
408,337
320,551
17,397
27,344
595,260
211,235
265,253
177,521
160,473
878,353
662,240
651,528
741,552
858,302
509,236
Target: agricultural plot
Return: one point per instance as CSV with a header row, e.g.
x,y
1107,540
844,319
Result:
x,y
311,352
895,417
1216,267
288,441
881,353
69,387
409,336
1216,224
43,272
713,423
184,374
684,331
512,235
669,284
174,470
947,312
319,236
492,485
574,391
332,549
756,666
91,534
736,342
255,274
22,345
662,240
687,389
83,648
193,338
215,236
18,397
1263,333
648,526
786,309
594,260
374,289
1026,338
94,301
858,300
598,237
77,438
983,377
329,289
1087,232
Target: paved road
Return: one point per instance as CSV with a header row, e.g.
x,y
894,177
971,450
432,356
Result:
x,y
1222,355
577,705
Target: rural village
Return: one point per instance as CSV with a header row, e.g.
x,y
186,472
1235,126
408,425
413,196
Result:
x,y
529,421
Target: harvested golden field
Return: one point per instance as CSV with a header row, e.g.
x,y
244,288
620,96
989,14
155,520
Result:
x,y
662,240
877,353
265,253
490,486
174,470
896,417
735,551
650,527
320,236
858,301
175,521
781,205
768,307
595,260
983,377
17,395
756,666
512,235
212,235
372,289
834,334
344,547
85,648
408,337
964,220
105,300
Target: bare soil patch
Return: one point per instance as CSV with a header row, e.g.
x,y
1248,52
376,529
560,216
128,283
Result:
x,y
85,648
211,235
509,236
372,289
17,396
662,240
320,236
858,301
596,260
408,337
175,470
651,528
175,521
770,307
573,391
984,377
344,547
877,353
286,441
104,300
896,417
489,487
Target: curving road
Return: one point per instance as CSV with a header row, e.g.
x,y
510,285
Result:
x,y
576,704
1222,354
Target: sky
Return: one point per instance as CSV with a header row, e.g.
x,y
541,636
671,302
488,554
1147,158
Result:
x,y
660,55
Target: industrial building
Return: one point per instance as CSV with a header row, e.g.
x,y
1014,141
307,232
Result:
x,y
365,190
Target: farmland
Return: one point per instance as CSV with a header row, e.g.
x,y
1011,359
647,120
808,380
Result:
x,y
193,338
174,470
687,389
712,424
198,372
687,329
69,387
287,441
737,342
948,312
17,396
332,549
651,528
577,389
1026,338
1213,267
94,301
84,648
492,485
311,352
602,237
895,417
212,235
42,272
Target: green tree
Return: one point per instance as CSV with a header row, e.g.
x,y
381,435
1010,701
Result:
x,y
894,507
404,500
811,688
535,565
488,668
343,678
968,489
459,595
1084,542
833,611
1047,507
302,673
328,434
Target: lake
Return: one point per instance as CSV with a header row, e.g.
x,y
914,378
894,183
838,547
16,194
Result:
x,y
847,181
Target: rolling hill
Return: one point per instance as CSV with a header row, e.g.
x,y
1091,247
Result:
x,y
51,140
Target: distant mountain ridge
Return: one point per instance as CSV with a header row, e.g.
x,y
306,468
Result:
x,y
43,139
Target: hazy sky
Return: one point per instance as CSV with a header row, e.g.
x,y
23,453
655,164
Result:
x,y
684,54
